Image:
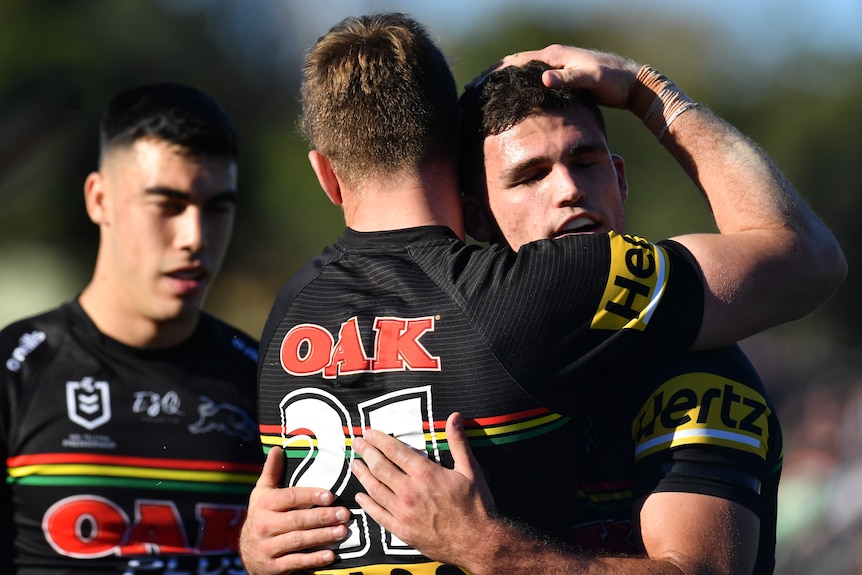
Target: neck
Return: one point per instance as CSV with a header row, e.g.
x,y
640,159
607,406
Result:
x,y
406,200
119,320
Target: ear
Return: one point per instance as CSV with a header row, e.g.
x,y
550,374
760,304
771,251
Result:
x,y
326,176
477,220
96,197
622,184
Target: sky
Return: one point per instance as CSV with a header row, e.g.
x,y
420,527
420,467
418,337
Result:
x,y
765,25
763,32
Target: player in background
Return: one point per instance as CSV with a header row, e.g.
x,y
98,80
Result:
x,y
127,413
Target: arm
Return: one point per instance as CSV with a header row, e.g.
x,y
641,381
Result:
x,y
774,260
283,531
441,512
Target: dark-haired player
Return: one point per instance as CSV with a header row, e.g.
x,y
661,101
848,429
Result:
x,y
127,414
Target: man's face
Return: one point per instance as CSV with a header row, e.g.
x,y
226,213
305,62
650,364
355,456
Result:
x,y
553,174
165,223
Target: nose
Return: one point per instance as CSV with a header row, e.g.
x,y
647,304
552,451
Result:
x,y
191,233
567,192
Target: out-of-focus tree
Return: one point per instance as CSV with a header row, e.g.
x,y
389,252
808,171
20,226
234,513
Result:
x,y
61,61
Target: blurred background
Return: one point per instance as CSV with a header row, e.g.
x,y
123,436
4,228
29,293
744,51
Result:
x,y
787,72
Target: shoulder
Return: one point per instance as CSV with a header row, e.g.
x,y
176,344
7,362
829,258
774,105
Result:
x,y
31,336
224,336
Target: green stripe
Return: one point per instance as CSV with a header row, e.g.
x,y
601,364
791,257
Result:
x,y
482,441
65,481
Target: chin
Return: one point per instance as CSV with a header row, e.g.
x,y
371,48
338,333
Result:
x,y
178,312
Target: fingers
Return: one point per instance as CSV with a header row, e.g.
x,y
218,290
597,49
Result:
x,y
310,529
459,447
276,556
379,495
375,472
273,468
276,498
465,461
294,562
608,76
283,540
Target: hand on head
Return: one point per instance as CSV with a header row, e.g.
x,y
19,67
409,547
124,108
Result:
x,y
609,77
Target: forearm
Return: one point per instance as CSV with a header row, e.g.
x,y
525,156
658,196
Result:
x,y
773,248
503,547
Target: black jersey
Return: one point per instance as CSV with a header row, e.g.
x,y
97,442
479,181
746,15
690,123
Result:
x,y
122,460
698,423
396,330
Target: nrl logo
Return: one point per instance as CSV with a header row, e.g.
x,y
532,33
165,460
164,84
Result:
x,y
88,402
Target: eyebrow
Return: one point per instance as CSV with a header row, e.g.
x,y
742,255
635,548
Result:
x,y
581,149
171,193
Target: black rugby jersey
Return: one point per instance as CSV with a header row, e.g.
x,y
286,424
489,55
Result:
x,y
396,330
122,460
697,423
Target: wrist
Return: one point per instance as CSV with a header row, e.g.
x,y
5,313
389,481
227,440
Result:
x,y
657,101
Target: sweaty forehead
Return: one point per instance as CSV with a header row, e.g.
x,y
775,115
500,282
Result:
x,y
544,134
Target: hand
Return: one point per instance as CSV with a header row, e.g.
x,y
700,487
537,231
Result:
x,y
609,77
436,510
283,521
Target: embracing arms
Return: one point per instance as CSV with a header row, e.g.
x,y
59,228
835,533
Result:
x,y
445,514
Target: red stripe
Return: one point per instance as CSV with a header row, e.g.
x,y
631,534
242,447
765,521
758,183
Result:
x,y
93,459
497,420
440,425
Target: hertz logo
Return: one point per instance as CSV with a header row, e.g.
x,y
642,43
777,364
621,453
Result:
x,y
702,408
636,281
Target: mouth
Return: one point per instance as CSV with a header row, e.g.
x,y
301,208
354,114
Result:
x,y
579,225
196,273
189,279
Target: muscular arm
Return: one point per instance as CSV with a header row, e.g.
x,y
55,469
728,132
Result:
x,y
441,512
774,260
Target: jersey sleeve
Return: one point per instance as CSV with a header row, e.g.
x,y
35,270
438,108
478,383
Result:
x,y
564,310
708,428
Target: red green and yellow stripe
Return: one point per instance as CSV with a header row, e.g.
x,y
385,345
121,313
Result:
x,y
482,431
130,472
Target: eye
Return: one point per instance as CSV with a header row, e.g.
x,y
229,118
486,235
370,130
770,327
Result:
x,y
171,207
531,176
224,208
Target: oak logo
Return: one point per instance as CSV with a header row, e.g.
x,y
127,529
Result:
x,y
91,526
88,402
310,349
636,282
702,408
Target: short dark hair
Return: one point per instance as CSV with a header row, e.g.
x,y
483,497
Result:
x,y
378,95
175,113
503,99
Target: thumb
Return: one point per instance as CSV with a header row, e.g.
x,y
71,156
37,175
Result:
x,y
273,468
465,461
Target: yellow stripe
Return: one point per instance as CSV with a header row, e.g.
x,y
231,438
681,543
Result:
x,y
119,471
490,431
520,426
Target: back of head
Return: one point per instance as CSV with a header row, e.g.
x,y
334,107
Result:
x,y
174,113
503,99
378,96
